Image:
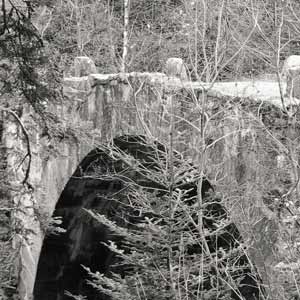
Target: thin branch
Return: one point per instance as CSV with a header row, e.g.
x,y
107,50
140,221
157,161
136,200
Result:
x,y
277,64
4,16
28,154
144,125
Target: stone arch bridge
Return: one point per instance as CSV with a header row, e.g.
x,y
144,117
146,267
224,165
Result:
x,y
224,119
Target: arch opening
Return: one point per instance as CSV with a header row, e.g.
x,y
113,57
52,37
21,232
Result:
x,y
63,254
99,184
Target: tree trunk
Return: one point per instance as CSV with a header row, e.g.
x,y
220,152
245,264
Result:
x,y
125,35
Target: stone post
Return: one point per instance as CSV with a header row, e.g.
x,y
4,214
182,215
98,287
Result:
x,y
83,66
291,72
175,67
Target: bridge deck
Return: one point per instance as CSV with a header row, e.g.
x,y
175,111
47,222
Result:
x,y
258,90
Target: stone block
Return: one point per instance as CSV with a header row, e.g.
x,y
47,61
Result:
x,y
83,66
291,73
175,68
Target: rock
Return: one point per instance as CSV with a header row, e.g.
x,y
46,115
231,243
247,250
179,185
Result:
x,y
83,66
291,72
175,68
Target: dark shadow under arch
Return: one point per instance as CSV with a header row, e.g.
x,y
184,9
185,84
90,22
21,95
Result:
x,y
62,255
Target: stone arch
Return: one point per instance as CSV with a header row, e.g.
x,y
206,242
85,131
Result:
x,y
62,256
